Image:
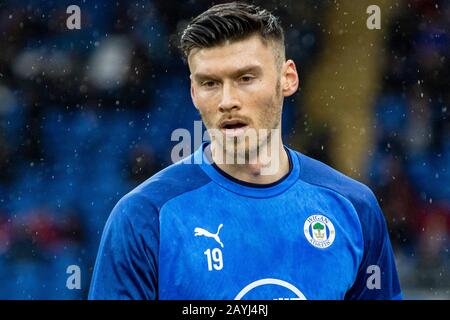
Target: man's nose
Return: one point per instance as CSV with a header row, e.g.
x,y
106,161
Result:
x,y
229,99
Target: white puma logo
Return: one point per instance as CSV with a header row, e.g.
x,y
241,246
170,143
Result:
x,y
206,233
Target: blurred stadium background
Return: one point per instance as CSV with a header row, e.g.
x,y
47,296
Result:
x,y
86,115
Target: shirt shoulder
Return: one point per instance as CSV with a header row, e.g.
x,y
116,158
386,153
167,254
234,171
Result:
x,y
318,173
176,179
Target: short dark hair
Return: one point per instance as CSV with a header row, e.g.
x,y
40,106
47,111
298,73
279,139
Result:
x,y
230,21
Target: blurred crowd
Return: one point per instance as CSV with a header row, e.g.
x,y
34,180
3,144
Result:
x,y
410,170
86,115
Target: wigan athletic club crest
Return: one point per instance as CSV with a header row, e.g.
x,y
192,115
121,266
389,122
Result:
x,y
319,231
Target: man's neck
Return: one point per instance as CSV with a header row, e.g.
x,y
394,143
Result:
x,y
274,167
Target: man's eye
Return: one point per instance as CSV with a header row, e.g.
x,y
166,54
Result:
x,y
209,84
246,78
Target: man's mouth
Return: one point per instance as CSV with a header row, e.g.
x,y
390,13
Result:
x,y
233,127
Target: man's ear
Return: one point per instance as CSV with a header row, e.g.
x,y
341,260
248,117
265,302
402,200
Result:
x,y
290,78
193,92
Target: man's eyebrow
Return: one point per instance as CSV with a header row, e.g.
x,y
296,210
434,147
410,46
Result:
x,y
248,69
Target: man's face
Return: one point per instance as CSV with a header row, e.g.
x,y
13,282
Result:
x,y
238,87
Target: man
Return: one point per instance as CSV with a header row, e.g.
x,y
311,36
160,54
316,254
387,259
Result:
x,y
244,217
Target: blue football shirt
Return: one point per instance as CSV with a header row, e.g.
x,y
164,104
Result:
x,y
193,232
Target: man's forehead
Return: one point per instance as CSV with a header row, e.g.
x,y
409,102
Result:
x,y
232,55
